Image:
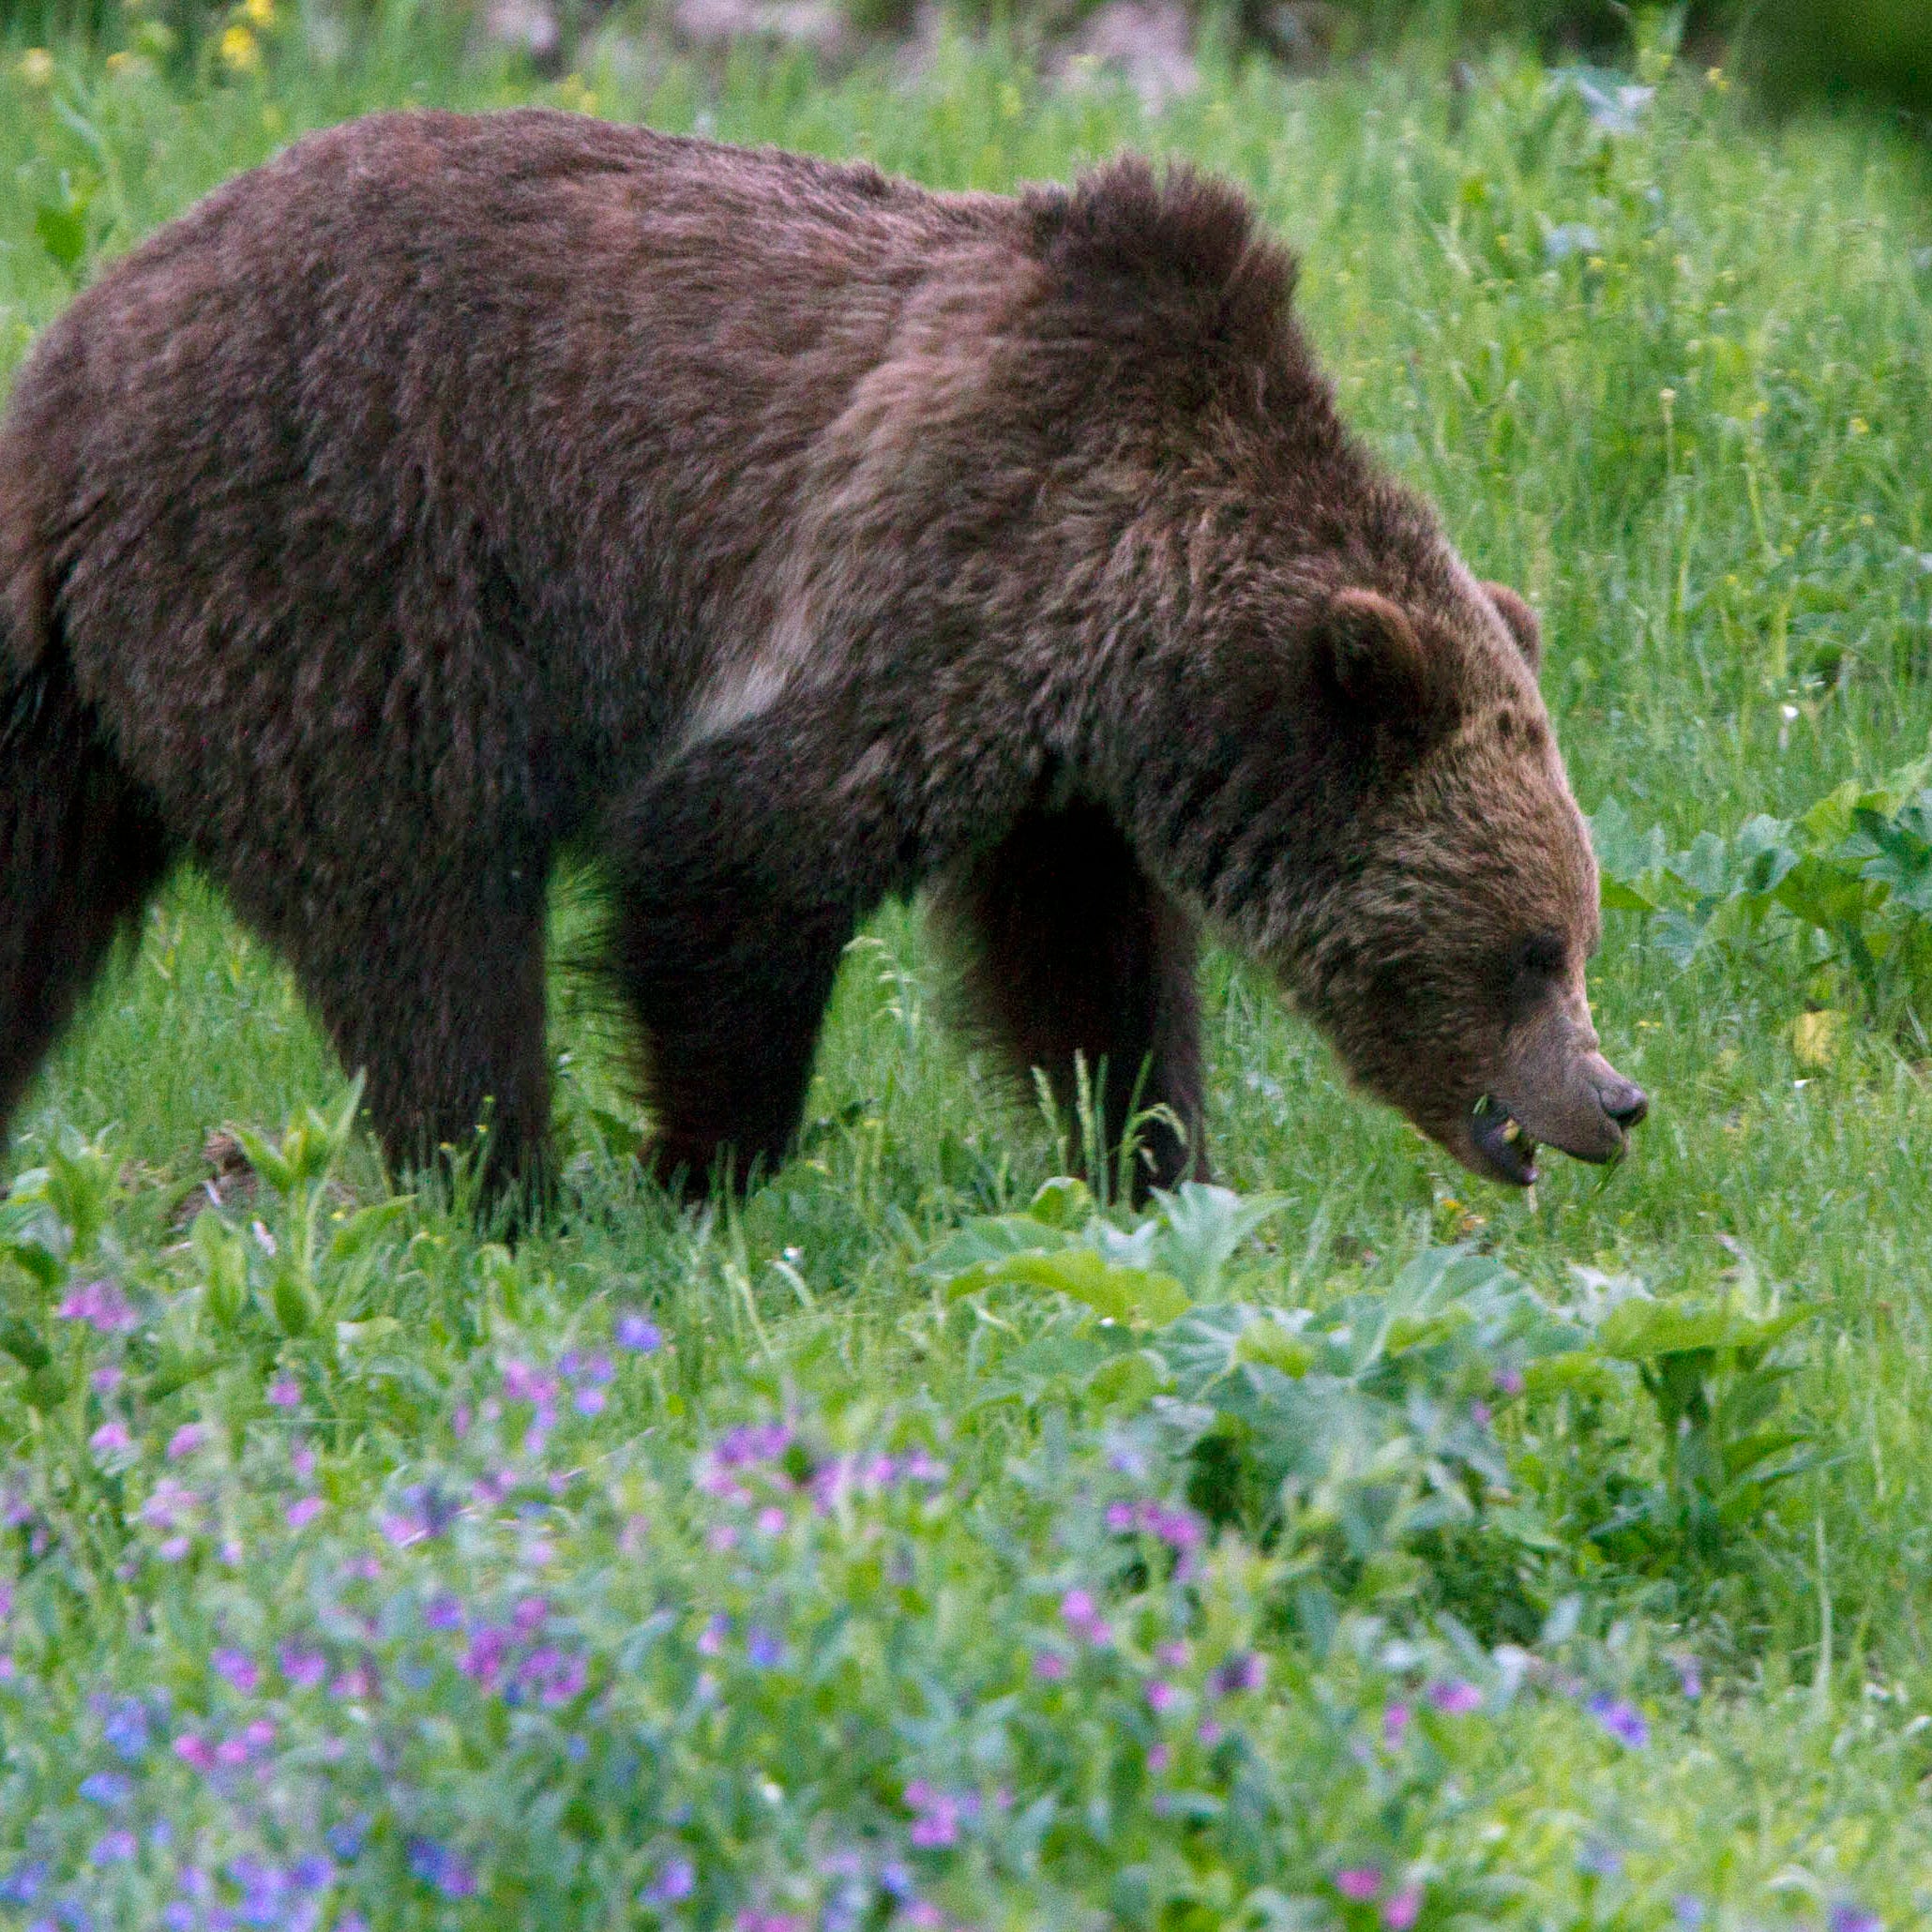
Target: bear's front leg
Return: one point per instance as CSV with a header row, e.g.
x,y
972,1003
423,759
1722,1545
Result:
x,y
1072,958
735,899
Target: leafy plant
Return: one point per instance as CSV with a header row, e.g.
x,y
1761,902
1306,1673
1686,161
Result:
x,y
1355,1433
1846,886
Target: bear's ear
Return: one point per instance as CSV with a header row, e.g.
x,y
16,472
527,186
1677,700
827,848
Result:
x,y
1375,668
1515,613
1177,260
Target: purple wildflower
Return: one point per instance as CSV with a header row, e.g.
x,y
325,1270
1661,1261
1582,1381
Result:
x,y
109,1789
195,1751
638,1333
1241,1672
1049,1667
1510,1381
1161,1696
437,1865
1401,1909
101,1305
285,1392
189,1438
1687,1911
1395,1725
301,1666
115,1847
110,1438
304,1511
238,1669
677,1880
1847,1917
1599,1859
1456,1697
1358,1882
765,1651
1623,1720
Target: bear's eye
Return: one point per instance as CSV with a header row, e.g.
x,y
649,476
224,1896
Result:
x,y
1537,957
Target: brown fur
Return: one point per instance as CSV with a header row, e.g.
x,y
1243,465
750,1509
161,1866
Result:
x,y
454,491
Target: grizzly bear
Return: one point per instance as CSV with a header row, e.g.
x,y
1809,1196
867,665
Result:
x,y
451,494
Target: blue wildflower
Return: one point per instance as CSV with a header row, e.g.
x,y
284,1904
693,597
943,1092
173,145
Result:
x,y
126,1730
1623,1720
111,1788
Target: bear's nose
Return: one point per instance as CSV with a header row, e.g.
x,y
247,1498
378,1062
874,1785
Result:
x,y
1624,1101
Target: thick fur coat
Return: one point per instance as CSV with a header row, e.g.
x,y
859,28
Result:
x,y
452,492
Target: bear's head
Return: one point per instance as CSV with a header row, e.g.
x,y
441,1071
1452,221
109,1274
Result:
x,y
1329,738
1441,938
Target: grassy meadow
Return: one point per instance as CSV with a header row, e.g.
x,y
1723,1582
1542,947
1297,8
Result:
x,y
913,1546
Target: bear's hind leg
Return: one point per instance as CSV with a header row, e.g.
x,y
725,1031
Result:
x,y
441,1005
81,850
1072,956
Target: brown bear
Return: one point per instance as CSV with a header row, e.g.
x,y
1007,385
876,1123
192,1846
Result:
x,y
454,493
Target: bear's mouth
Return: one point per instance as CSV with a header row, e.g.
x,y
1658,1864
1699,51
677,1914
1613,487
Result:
x,y
1498,1138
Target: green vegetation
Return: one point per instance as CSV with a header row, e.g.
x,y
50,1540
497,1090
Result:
x,y
918,1547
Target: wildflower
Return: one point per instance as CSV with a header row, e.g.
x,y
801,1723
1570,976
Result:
x,y
1688,1911
285,1392
126,1731
304,1511
345,1840
443,1612
186,1440
1690,1677
764,1649
1161,1696
1242,1673
1159,1757
242,52
1211,1732
115,1847
677,1880
1623,1720
588,1401
195,1751
37,68
238,1669
436,1865
1083,1617
302,1461
771,1521
1455,1698
638,1333
1358,1882
1599,1859
937,1816
107,1379
302,1666
1401,1909
108,1788
101,1305
110,1438
1395,1725
1049,1667
1847,1917
259,14
23,1883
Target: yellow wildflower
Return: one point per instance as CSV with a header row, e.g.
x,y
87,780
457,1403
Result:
x,y
37,68
240,50
260,13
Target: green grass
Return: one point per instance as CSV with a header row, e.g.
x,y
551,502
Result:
x,y
1697,435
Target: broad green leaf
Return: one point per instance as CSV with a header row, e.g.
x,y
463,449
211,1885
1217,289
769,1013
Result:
x,y
1141,1297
